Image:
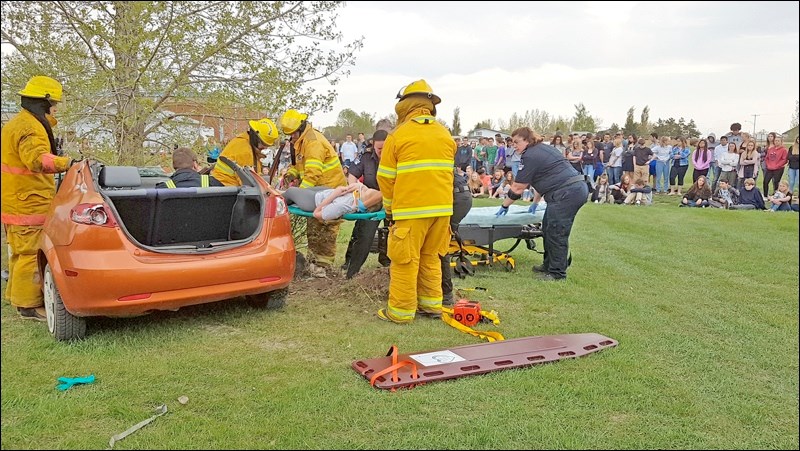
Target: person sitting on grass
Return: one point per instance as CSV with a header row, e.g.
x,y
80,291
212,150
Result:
x,y
750,197
725,197
641,193
602,191
782,198
698,195
475,185
621,190
329,204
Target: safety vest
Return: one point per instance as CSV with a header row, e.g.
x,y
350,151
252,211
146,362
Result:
x,y
204,182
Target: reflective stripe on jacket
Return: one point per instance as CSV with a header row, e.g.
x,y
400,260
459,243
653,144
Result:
x,y
204,182
28,185
416,170
240,152
317,161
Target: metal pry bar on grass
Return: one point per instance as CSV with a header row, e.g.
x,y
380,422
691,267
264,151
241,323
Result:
x,y
161,410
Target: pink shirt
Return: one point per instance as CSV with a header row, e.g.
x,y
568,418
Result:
x,y
776,158
698,162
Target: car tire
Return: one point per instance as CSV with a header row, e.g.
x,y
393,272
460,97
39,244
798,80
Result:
x,y
271,300
61,324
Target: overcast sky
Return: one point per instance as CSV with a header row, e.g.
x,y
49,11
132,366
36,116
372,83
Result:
x,y
714,62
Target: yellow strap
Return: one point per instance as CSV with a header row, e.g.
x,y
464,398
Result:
x,y
490,336
204,182
170,184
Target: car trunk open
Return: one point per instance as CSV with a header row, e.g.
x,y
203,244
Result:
x,y
176,219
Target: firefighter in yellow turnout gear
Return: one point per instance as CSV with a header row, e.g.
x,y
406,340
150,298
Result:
x,y
244,150
29,160
416,179
316,164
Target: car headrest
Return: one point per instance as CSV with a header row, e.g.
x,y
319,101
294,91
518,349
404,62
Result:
x,y
119,177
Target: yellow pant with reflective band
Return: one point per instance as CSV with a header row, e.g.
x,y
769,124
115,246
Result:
x,y
414,246
24,288
322,241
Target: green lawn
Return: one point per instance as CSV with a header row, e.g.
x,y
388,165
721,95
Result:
x,y
704,304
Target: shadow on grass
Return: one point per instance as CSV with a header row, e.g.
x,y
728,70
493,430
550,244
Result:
x,y
233,310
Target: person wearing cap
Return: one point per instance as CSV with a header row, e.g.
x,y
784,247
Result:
x,y
245,150
364,230
315,163
416,179
561,185
29,160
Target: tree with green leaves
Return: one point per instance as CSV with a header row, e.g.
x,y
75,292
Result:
x,y
486,123
582,120
350,123
123,63
795,119
457,121
674,128
630,126
644,126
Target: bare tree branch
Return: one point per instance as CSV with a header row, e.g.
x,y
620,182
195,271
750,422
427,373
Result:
x,y
184,73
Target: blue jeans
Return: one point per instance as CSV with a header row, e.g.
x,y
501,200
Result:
x,y
614,175
793,179
662,173
717,171
514,168
589,170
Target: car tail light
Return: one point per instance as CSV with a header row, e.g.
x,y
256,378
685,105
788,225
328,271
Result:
x,y
276,206
93,214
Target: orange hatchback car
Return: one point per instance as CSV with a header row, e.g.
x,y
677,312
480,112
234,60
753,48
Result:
x,y
114,245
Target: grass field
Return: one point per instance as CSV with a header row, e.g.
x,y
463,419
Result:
x,y
704,304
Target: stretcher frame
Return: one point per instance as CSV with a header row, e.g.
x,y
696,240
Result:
x,y
478,244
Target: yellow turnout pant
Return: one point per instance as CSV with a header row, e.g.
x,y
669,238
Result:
x,y
322,241
24,287
414,246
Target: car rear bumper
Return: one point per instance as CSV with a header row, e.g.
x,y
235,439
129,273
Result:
x,y
120,283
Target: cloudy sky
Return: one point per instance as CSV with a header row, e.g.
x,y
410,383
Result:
x,y
716,63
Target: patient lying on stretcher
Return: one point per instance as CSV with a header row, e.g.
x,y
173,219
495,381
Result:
x,y
332,203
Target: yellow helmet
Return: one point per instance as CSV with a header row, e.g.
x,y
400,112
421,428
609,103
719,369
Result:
x,y
291,121
266,130
41,87
419,87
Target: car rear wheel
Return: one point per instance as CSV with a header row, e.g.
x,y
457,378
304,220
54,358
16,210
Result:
x,y
63,326
272,300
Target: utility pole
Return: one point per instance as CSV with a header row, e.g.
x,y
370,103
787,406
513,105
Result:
x,y
754,124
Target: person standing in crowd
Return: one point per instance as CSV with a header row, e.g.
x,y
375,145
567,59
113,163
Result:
x,y
186,174
29,160
701,159
720,150
711,143
317,164
462,203
563,188
245,150
349,151
416,179
775,160
364,230
794,163
735,135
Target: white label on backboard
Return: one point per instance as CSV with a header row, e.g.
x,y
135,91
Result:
x,y
437,358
